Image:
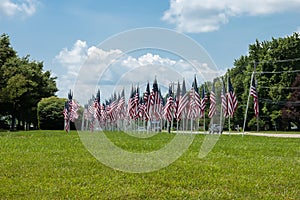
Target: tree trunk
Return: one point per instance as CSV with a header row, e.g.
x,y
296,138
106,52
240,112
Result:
x,y
13,118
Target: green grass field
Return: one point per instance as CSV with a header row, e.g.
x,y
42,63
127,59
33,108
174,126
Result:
x,y
55,165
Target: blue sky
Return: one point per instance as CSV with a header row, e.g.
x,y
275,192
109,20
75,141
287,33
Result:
x,y
61,33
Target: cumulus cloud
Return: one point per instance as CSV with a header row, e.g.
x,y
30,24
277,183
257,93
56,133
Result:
x,y
83,65
9,8
70,60
208,15
90,68
147,59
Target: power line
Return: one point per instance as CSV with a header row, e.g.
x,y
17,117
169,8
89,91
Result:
x,y
291,88
278,72
274,61
270,101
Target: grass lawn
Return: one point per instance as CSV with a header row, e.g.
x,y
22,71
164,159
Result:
x,y
55,165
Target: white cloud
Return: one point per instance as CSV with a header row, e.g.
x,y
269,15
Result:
x,y
208,15
9,8
91,68
70,60
148,59
83,65
75,56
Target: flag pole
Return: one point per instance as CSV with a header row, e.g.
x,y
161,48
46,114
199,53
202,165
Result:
x,y
221,113
245,118
172,88
221,119
82,122
192,117
204,121
191,125
229,128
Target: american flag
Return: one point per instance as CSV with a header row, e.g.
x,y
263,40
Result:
x,y
70,111
203,101
66,116
183,102
147,102
195,101
154,93
103,113
253,93
136,101
121,106
73,108
231,98
169,107
107,110
141,110
91,112
155,101
160,105
212,98
111,108
97,112
224,100
131,108
177,98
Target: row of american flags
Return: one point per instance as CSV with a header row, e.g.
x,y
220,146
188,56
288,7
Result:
x,y
151,106
70,111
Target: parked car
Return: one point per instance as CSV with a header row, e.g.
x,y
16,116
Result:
x,y
215,128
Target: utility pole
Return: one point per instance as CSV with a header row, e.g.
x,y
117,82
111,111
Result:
x,y
257,118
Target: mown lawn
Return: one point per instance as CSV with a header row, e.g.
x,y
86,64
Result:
x,y
56,165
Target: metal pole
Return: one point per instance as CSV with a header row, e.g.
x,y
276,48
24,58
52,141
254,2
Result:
x,y
82,123
257,118
245,118
204,122
229,128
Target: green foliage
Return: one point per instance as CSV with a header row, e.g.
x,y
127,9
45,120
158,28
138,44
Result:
x,y
55,165
278,56
23,83
49,112
6,51
291,109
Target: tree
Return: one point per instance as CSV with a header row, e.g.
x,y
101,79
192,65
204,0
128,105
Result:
x,y
6,51
291,111
49,113
23,83
278,57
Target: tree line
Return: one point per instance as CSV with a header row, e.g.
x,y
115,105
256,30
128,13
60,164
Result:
x,y
277,66
23,83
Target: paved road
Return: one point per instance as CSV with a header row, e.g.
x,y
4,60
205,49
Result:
x,y
248,133
268,134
